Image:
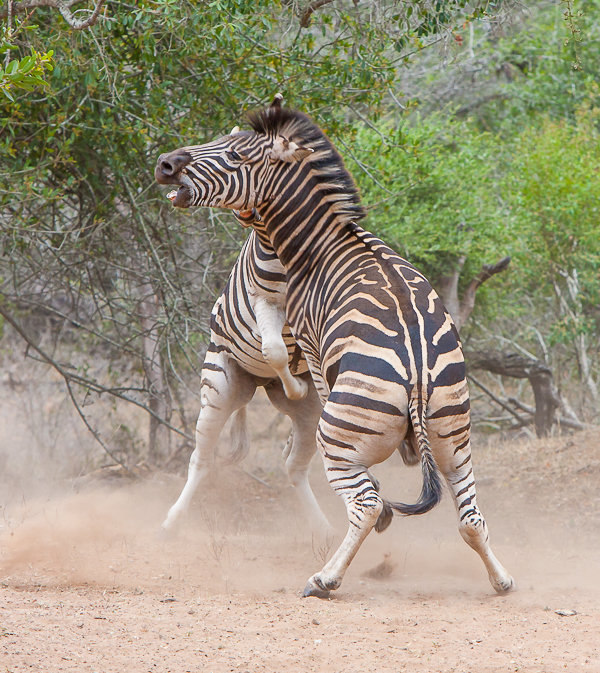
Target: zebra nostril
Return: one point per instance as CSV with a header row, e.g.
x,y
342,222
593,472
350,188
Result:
x,y
167,167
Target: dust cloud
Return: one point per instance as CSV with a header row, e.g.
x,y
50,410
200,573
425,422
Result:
x,y
83,562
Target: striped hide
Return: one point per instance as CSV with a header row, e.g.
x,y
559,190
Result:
x,y
383,352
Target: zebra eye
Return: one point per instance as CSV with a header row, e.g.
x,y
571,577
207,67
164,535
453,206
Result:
x,y
232,154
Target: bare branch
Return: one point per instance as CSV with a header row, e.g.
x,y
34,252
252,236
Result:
x,y
448,289
95,434
568,423
310,9
497,400
460,308
68,377
547,399
467,303
63,6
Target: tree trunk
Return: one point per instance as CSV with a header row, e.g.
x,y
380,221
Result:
x,y
158,390
460,308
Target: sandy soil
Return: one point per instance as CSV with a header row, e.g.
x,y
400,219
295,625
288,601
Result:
x,y
87,585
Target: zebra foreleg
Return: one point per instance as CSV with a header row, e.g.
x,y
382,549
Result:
x,y
270,319
224,388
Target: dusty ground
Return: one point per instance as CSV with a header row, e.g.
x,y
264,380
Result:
x,y
85,584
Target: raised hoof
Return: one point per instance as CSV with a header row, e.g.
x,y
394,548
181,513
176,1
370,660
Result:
x,y
385,518
298,391
313,589
504,586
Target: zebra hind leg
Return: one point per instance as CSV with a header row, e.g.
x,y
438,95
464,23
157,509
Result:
x,y
300,449
363,506
452,453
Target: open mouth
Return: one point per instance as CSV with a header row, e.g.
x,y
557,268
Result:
x,y
182,195
180,198
170,170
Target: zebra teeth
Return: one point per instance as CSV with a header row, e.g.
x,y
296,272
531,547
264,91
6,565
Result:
x,y
172,194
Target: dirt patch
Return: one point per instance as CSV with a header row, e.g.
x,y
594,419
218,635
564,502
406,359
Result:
x,y
88,585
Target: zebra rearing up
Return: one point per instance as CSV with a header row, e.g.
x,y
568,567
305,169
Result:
x,y
383,351
250,345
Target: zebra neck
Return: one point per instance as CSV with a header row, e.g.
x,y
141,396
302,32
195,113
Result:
x,y
302,238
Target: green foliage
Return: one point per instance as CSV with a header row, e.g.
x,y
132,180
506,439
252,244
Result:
x,y
434,199
25,73
505,164
86,235
553,196
439,190
548,68
424,20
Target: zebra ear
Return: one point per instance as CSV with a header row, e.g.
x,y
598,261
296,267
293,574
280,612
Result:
x,y
234,130
288,151
277,100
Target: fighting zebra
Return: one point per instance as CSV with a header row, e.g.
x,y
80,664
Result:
x,y
383,352
251,346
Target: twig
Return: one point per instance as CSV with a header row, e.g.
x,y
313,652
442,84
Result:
x,y
95,434
496,399
80,380
574,425
310,9
63,6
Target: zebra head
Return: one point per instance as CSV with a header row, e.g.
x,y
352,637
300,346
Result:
x,y
234,171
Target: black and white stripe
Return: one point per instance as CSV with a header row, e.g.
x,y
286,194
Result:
x,y
382,350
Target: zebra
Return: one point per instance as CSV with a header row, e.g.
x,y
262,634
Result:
x,y
251,346
383,352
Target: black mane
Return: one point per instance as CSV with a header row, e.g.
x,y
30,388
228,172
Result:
x,y
326,160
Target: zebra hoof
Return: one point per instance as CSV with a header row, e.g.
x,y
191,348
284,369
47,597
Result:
x,y
164,534
504,585
312,588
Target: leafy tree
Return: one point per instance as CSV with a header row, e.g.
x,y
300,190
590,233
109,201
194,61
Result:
x,y
88,241
553,198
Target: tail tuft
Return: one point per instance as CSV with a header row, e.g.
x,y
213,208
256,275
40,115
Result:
x,y
240,443
431,493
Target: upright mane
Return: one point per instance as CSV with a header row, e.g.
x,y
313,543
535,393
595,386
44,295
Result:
x,y
325,161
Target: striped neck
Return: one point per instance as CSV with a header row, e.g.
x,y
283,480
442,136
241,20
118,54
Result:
x,y
303,227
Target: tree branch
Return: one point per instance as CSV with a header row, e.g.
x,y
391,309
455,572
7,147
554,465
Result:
x,y
568,423
448,289
80,380
63,6
310,9
460,308
497,400
467,303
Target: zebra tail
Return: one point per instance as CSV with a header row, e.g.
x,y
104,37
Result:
x,y
240,443
431,493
